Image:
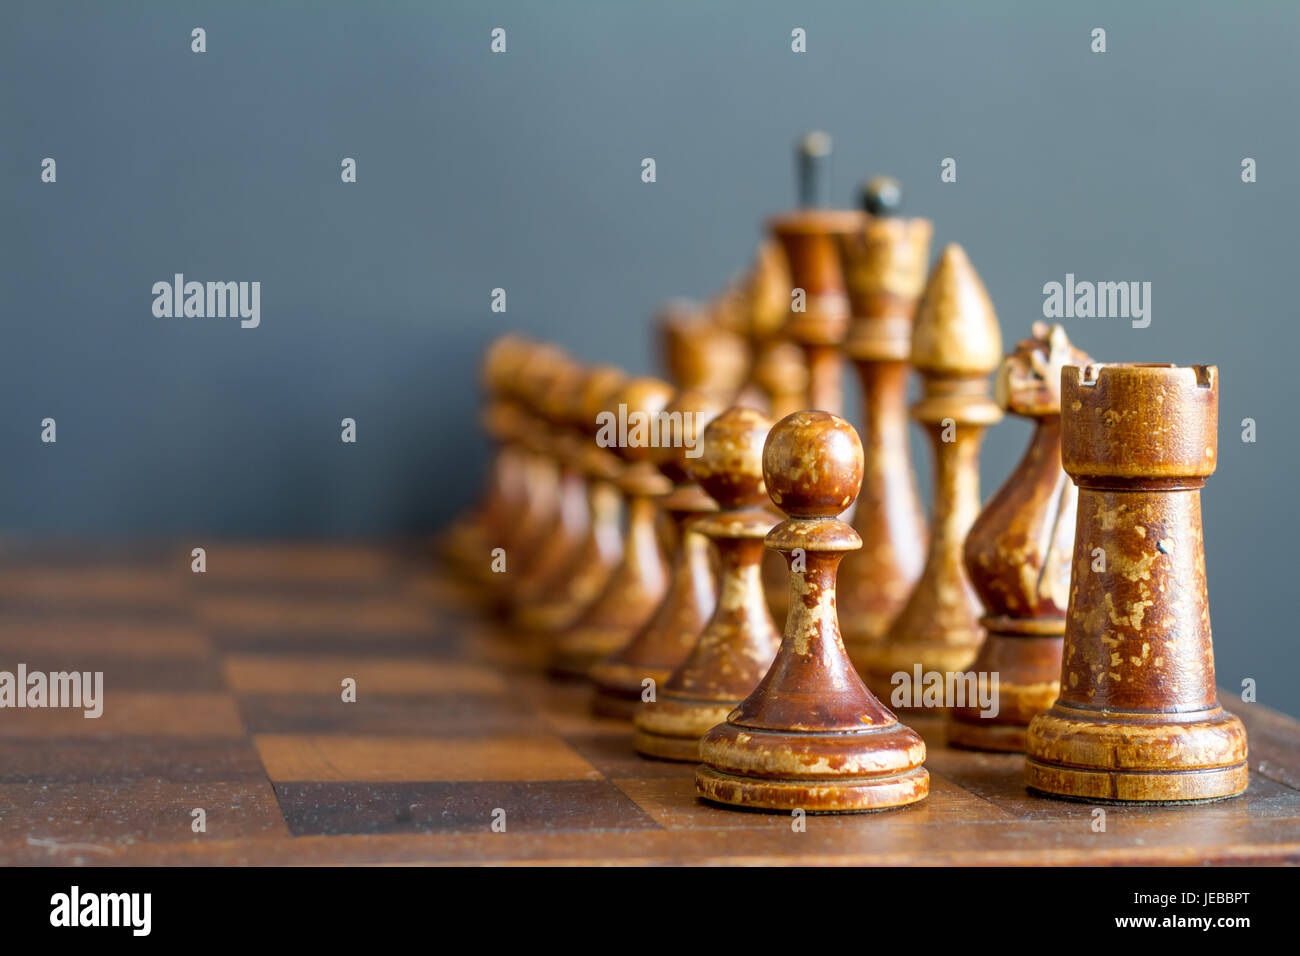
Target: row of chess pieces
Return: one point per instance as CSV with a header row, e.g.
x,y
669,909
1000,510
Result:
x,y
1077,594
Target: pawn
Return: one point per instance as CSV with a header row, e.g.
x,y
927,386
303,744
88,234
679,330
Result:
x,y
811,736
737,645
1018,556
1138,717
637,585
575,585
666,638
584,543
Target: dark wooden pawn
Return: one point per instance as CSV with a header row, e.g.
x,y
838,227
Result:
x,y
637,585
737,645
811,736
665,639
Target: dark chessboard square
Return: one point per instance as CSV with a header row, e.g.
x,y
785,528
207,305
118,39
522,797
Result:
x,y
330,809
106,759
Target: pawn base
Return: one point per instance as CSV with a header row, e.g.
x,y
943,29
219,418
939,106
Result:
x,y
813,796
670,728
1136,758
986,735
619,687
577,652
1028,666
874,769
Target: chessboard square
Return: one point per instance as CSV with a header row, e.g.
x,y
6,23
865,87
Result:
x,y
613,756
273,564
373,615
285,674
381,715
62,587
97,817
409,759
122,673
131,712
23,637
109,760
312,809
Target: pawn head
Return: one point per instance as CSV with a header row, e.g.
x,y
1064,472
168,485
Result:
x,y
636,416
682,442
812,464
730,468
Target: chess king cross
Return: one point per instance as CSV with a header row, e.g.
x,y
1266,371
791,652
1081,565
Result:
x,y
658,575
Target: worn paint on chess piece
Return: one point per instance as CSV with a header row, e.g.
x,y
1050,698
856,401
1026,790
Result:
x,y
808,237
884,267
1138,718
637,585
665,639
736,646
1018,553
580,559
956,343
811,736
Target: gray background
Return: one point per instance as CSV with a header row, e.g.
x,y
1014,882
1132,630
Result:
x,y
522,170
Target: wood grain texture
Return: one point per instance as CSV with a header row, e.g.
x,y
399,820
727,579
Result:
x,y
405,777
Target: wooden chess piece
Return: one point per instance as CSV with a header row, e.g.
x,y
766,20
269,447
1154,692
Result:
x,y
1018,556
737,645
811,736
562,526
955,345
702,356
665,639
1138,718
818,315
576,584
884,265
569,544
466,545
523,531
637,585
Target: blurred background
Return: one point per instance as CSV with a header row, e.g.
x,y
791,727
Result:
x,y
522,171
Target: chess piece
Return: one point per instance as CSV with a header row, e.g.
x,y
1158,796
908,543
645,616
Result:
x,y
701,355
818,308
1138,718
1017,555
884,266
576,584
562,525
467,544
637,585
955,345
665,639
737,645
523,531
811,736
568,544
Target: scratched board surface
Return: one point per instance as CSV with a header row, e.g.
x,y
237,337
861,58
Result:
x,y
223,693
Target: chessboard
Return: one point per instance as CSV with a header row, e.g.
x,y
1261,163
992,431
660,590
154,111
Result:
x,y
224,693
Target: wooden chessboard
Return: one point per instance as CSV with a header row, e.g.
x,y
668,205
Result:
x,y
223,692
